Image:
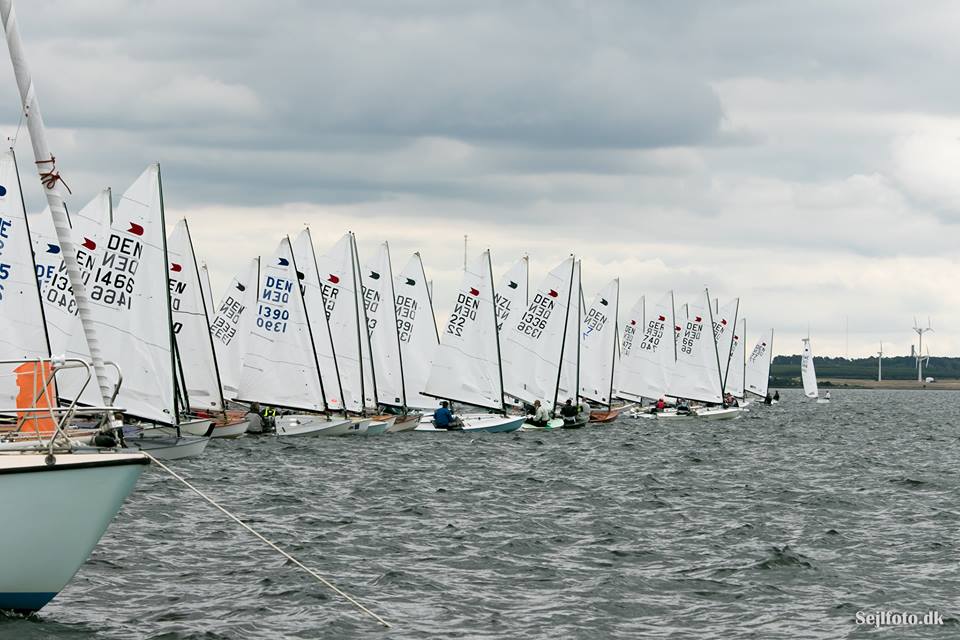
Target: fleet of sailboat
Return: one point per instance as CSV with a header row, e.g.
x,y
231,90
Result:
x,y
104,309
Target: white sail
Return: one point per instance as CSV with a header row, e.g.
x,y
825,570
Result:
x,y
191,329
379,299
633,326
466,364
758,366
231,324
371,400
570,369
648,361
130,305
734,383
206,290
697,372
724,322
807,371
22,332
533,341
315,303
513,292
280,366
60,308
417,329
338,279
598,344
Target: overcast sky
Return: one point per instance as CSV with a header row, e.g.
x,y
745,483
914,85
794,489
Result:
x,y
798,155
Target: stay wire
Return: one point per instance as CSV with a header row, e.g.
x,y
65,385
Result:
x,y
273,546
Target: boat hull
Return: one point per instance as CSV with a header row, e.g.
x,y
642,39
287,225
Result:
x,y
297,425
408,422
168,447
233,429
489,424
53,516
197,427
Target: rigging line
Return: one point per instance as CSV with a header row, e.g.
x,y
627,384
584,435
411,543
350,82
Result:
x,y
16,134
273,546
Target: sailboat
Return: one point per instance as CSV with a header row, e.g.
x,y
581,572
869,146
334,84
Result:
x,y
599,350
417,332
280,367
648,351
195,351
809,375
757,375
53,490
697,375
737,367
466,365
230,326
131,308
383,331
535,341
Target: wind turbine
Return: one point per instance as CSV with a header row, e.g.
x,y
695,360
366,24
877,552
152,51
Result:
x,y
880,363
920,331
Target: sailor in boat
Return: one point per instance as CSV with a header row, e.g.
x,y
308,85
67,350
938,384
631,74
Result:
x,y
767,399
569,412
256,423
659,406
826,396
730,401
776,396
540,415
683,409
443,418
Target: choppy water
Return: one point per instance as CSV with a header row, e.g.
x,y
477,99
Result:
x,y
782,524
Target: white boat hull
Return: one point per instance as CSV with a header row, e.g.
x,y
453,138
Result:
x,y
232,430
196,427
712,413
490,423
53,516
168,447
296,425
372,427
405,423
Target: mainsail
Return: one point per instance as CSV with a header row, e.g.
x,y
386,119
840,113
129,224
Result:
x,y
724,322
598,345
758,366
570,369
130,306
231,324
417,331
22,332
312,287
514,291
697,372
466,365
379,301
807,372
191,327
647,361
280,366
533,342
733,383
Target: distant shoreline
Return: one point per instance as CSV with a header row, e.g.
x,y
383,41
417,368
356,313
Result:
x,y
851,383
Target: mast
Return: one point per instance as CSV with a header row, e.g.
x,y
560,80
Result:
x,y
396,327
49,179
306,316
496,331
433,316
563,341
359,295
326,322
580,306
673,329
616,345
174,359
716,352
356,306
526,291
206,318
733,330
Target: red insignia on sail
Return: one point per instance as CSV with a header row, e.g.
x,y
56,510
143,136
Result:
x,y
662,318
553,294
176,268
723,322
474,292
135,229
89,244
698,319
633,322
334,279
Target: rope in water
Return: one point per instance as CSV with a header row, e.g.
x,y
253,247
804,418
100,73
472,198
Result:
x,y
270,544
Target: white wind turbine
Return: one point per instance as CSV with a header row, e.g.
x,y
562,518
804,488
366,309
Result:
x,y
880,363
920,331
